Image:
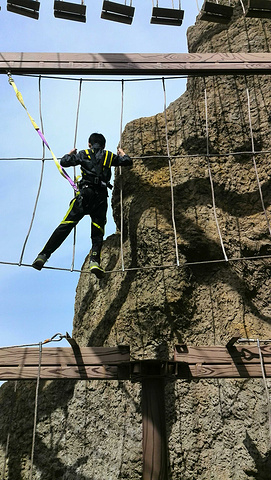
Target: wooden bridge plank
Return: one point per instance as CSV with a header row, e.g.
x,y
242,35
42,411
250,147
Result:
x,y
65,356
222,371
52,373
218,354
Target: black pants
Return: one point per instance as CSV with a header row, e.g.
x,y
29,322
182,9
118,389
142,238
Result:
x,y
90,201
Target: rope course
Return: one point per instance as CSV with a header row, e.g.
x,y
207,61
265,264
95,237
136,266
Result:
x,y
253,153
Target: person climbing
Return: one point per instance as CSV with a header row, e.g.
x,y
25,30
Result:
x,y
91,199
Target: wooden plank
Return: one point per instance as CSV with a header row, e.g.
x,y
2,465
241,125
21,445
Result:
x,y
65,356
260,4
217,9
135,63
57,373
219,354
168,13
184,371
222,371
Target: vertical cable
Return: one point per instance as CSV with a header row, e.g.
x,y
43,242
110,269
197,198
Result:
x,y
170,175
74,168
121,183
10,431
266,387
197,2
35,412
210,176
254,160
243,8
40,181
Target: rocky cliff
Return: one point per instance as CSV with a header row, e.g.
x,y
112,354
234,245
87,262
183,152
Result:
x,y
216,429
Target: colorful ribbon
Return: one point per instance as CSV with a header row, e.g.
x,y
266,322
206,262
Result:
x,y
60,168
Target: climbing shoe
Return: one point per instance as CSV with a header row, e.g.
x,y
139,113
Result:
x,y
96,269
39,261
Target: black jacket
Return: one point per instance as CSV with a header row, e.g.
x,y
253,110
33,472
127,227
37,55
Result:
x,y
95,163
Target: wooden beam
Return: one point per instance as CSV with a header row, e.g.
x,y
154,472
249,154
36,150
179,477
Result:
x,y
59,372
57,362
219,354
64,355
221,362
221,371
87,363
201,64
154,430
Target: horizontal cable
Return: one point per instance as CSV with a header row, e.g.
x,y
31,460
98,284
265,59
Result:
x,y
151,267
141,78
57,337
136,79
146,157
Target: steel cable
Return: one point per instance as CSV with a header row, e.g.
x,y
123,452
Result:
x,y
35,413
210,176
170,176
121,182
10,430
157,156
40,181
152,267
74,168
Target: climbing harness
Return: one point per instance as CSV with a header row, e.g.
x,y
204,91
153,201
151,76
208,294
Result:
x,y
96,180
60,168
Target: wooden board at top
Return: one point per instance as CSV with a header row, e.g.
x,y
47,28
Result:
x,y
135,63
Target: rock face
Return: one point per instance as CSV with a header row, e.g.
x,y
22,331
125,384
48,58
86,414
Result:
x,y
216,429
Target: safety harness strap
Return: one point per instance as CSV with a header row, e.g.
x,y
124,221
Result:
x,y
108,159
60,168
106,165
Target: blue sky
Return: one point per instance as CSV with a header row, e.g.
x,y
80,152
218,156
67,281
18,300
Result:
x,y
35,305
